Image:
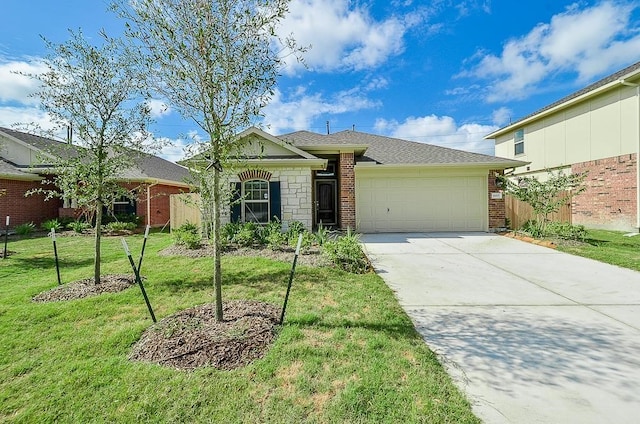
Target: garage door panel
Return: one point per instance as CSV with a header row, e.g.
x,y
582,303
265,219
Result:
x,y
421,203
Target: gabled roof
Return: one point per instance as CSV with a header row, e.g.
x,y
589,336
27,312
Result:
x,y
149,168
384,150
606,83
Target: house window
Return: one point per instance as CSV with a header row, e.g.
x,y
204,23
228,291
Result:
x,y
255,195
124,206
519,142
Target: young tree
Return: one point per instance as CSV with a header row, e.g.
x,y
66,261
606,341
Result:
x,y
96,90
216,62
545,196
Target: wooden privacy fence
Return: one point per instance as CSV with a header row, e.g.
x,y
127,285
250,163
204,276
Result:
x,y
519,212
184,208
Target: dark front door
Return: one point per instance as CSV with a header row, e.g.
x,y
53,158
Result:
x,y
326,202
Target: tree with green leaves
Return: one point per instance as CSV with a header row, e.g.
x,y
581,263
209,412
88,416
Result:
x,y
216,62
96,90
545,195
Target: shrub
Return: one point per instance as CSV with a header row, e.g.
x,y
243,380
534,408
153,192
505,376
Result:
x,y
271,234
79,226
120,226
25,229
346,253
295,228
122,217
65,221
52,224
307,240
322,235
532,228
229,230
248,235
566,231
191,241
187,235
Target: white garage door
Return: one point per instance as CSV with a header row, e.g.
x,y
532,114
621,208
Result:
x,y
421,203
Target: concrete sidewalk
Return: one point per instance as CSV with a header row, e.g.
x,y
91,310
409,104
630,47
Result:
x,y
532,335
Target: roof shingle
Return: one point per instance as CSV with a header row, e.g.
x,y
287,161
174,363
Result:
x,y
391,151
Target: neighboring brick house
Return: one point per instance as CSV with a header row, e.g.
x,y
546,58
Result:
x,y
366,182
596,129
25,161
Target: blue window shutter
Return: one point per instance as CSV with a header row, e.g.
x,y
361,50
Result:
x,y
274,200
236,205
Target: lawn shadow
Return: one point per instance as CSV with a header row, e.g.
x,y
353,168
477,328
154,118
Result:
x,y
552,350
48,262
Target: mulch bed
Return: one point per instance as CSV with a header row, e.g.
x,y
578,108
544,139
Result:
x,y
192,338
85,288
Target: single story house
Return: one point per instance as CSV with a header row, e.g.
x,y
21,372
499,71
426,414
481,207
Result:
x,y
597,130
24,163
366,182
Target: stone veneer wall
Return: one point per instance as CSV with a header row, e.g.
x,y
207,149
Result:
x,y
610,200
347,191
497,212
295,195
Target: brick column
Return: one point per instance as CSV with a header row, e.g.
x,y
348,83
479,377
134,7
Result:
x,y
347,191
496,206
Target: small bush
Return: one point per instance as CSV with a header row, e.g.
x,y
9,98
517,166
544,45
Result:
x,y
191,241
79,226
52,224
122,217
322,235
25,229
566,231
272,235
120,226
307,240
187,235
532,228
248,235
346,253
295,228
229,230
65,221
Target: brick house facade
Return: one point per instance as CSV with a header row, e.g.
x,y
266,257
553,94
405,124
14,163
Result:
x,y
610,199
23,165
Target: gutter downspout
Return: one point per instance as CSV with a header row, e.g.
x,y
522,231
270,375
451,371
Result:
x,y
149,203
637,86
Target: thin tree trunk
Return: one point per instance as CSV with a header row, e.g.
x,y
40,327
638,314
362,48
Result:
x,y
98,229
217,246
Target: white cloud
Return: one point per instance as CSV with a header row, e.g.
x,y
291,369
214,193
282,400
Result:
x,y
440,131
18,88
158,108
10,116
501,116
298,110
586,42
343,36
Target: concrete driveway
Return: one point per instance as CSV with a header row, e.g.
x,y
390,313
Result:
x,y
531,335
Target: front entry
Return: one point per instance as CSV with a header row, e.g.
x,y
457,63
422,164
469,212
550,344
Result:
x,y
326,203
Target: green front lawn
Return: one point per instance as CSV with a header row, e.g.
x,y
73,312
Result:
x,y
346,354
612,247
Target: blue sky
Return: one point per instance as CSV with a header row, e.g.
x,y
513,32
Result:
x,y
440,72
